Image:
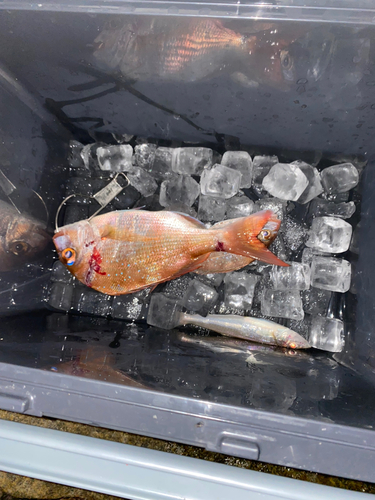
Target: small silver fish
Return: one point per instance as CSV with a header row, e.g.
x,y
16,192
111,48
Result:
x,y
258,330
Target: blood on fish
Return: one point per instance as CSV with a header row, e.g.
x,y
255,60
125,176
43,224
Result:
x,y
94,266
220,246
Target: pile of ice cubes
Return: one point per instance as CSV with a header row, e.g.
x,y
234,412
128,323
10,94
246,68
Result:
x,y
314,238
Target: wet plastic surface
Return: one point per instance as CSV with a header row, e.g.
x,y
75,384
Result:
x,y
211,369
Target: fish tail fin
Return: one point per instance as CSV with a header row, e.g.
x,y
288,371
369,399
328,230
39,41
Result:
x,y
241,237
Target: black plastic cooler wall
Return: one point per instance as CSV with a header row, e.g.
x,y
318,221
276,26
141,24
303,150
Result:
x,y
60,81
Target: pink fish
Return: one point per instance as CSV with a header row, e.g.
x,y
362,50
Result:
x,y
125,251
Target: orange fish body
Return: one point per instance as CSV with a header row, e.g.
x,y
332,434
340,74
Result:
x,y
223,263
125,251
227,262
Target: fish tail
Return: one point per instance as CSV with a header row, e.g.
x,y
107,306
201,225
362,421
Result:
x,y
241,237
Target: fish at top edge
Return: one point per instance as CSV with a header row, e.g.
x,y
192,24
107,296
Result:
x,y
191,50
22,238
125,251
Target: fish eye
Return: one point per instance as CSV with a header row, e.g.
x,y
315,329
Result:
x,y
265,234
19,247
286,59
69,255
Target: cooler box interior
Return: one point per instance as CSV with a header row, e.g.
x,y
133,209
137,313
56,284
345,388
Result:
x,y
285,80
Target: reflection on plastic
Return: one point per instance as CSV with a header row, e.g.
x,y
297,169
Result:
x,y
190,50
22,238
96,364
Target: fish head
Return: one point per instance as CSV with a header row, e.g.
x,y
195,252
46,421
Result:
x,y
74,244
294,340
24,240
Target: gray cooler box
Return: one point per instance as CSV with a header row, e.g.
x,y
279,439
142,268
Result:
x,y
284,79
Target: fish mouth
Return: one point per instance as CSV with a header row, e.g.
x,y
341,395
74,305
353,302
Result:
x,y
299,343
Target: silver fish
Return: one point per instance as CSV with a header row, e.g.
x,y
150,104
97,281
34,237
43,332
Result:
x,y
258,330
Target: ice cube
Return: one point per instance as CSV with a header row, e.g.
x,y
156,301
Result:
x,y
294,233
279,249
330,234
126,199
199,297
239,206
60,296
316,301
314,187
294,277
339,178
277,206
191,161
320,207
326,334
149,203
220,182
261,167
141,180
282,304
86,155
308,255
241,161
239,290
122,138
336,197
164,312
181,190
212,279
285,181
130,306
330,273
211,209
144,155
74,158
88,301
301,326
161,167
176,288
115,158
60,273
